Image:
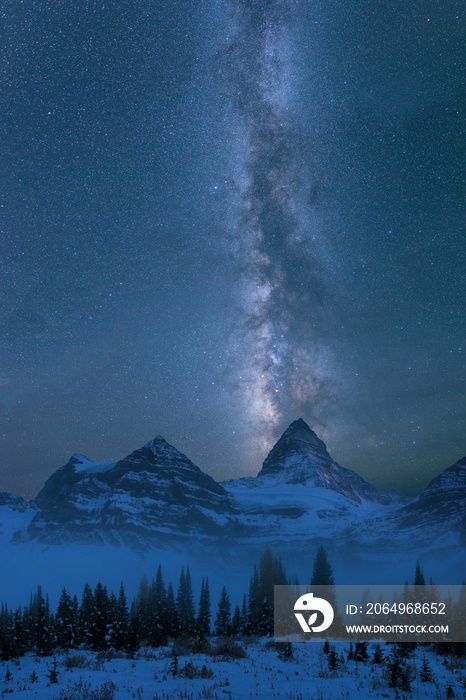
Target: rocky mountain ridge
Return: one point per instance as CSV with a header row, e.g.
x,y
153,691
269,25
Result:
x,y
157,495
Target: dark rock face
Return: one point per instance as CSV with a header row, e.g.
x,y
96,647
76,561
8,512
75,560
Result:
x,y
443,501
301,457
155,489
12,501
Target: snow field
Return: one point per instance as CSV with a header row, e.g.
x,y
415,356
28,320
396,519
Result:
x,y
150,676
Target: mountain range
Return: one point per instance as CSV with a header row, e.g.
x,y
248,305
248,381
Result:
x,y
156,504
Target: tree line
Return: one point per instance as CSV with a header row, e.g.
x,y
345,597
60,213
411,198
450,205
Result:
x,y
102,620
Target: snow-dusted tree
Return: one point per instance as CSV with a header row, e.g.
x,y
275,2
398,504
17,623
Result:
x,y
85,616
65,622
7,647
120,622
425,674
223,617
20,639
100,618
44,628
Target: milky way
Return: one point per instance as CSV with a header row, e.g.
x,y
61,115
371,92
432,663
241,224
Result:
x,y
281,363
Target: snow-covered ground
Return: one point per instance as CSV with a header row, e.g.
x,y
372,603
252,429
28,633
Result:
x,y
149,676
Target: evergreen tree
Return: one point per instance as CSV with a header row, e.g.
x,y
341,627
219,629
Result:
x,y
254,603
44,628
236,621
86,612
100,618
172,613
143,613
244,616
185,605
20,639
322,572
425,674
203,613
190,611
159,595
322,575
121,621
65,628
52,673
333,659
7,647
223,618
419,579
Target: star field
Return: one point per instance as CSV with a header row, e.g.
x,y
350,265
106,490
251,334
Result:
x,y
218,217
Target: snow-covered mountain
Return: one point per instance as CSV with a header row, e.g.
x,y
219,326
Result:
x,y
156,506
153,492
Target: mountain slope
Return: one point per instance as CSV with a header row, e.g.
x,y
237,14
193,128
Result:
x,y
154,491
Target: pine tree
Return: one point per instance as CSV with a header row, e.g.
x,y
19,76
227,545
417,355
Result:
x,y
244,616
121,621
7,646
204,613
143,613
86,612
419,579
236,621
190,611
64,624
322,572
185,605
172,613
20,640
425,674
223,618
44,628
100,618
254,603
159,595
52,673
333,659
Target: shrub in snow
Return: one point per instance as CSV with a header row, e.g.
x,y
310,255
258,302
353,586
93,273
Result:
x,y
449,692
81,690
397,673
228,649
190,671
52,673
76,661
284,650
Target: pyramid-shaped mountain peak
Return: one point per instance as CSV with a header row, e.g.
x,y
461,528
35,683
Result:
x,y
298,441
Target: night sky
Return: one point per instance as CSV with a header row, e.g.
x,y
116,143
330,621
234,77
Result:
x,y
219,216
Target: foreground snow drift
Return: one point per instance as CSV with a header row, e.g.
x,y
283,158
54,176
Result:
x,y
150,676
